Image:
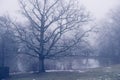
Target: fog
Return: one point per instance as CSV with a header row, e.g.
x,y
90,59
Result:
x,y
42,36
98,9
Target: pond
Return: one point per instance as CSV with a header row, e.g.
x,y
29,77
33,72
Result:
x,y
69,63
72,64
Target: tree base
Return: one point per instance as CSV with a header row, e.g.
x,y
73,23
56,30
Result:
x,y
41,71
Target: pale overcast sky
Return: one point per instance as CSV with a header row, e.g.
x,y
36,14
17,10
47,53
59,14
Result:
x,y
99,8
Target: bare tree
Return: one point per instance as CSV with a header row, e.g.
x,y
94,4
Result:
x,y
8,47
4,27
109,39
55,27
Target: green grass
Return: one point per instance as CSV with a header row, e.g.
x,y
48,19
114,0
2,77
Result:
x,y
103,73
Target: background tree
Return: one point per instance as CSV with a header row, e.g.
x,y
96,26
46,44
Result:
x,y
109,39
55,27
8,45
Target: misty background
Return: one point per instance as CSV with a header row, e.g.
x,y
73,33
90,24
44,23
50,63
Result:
x,y
98,47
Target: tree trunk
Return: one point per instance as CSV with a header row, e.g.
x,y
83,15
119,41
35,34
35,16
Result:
x,y
3,52
41,65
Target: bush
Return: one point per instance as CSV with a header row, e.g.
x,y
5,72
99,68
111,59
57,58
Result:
x,y
4,72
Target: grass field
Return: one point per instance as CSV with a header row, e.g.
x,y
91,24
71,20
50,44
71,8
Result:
x,y
103,73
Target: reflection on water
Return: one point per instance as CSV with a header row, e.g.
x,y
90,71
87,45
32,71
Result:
x,y
91,63
73,64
